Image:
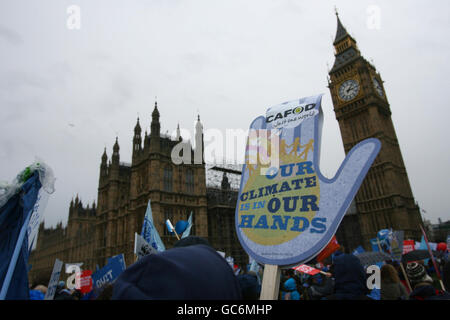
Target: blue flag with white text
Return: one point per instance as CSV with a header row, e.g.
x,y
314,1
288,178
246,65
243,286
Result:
x,y
14,217
109,273
149,232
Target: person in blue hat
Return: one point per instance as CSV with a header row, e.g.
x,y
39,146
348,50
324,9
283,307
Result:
x,y
289,290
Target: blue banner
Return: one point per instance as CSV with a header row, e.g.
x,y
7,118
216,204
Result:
x,y
110,272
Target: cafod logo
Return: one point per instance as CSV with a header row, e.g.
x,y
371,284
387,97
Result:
x,y
287,211
291,117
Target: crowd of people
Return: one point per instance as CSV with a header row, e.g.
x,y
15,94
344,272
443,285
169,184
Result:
x,y
193,270
345,278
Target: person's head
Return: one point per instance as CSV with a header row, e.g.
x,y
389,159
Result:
x,y
41,288
349,274
417,274
249,285
61,285
195,272
290,285
389,274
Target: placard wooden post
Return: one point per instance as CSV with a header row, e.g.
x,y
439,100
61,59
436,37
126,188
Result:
x,y
270,283
405,276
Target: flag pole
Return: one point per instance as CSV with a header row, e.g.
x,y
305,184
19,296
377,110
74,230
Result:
x,y
15,256
405,276
432,257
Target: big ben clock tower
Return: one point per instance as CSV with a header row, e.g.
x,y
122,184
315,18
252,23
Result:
x,y
385,199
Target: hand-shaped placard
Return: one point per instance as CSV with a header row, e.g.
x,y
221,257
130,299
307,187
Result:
x,y
287,211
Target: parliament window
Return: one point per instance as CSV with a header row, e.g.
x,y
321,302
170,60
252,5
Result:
x,y
167,180
189,181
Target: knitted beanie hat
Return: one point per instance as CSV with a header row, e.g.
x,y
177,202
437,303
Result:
x,y
417,273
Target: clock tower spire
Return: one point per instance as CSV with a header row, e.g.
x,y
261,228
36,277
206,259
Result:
x,y
385,199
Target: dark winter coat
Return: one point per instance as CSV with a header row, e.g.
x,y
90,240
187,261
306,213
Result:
x,y
350,279
428,292
393,291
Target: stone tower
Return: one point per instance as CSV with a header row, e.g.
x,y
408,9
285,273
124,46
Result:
x,y
125,189
361,106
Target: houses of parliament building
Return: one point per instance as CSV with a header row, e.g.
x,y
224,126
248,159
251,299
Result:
x,y
94,233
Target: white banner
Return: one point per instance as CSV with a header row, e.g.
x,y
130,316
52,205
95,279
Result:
x,y
53,283
142,247
36,217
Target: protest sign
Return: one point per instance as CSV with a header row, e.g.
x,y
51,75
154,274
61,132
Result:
x,y
120,258
142,247
408,246
84,281
287,211
109,273
54,278
396,244
303,268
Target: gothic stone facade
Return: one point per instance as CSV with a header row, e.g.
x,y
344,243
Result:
x,y
95,233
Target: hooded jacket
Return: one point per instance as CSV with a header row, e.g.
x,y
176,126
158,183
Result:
x,y
195,272
350,278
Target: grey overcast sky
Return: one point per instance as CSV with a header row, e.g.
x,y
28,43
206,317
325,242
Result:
x,y
66,93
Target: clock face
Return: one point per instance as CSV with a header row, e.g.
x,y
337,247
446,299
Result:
x,y
348,90
377,86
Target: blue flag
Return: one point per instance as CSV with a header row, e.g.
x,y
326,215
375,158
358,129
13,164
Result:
x,y
358,250
109,273
187,232
14,219
423,246
149,232
375,244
